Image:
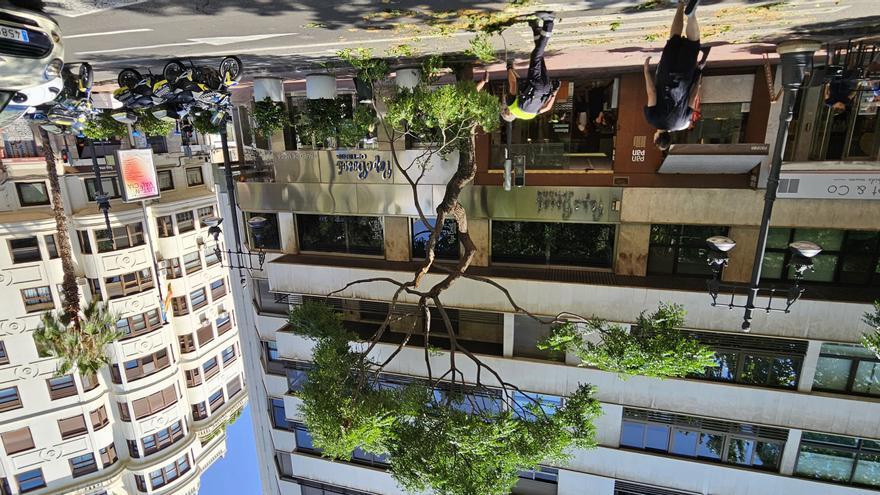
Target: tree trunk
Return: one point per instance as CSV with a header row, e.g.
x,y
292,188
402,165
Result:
x,y
69,287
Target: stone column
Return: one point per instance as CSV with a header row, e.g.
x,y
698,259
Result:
x,y
508,335
479,230
397,239
739,268
789,455
808,368
632,249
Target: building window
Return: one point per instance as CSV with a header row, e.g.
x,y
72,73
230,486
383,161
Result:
x,y
165,226
61,387
194,177
274,363
228,355
627,488
29,481
185,222
216,400
750,360
680,249
89,382
847,369
128,284
721,123
85,246
544,243
203,213
198,298
279,416
744,445
838,459
133,450
304,438
178,306
218,289
192,262
32,193
136,369
193,377
199,411
124,413
233,387
187,343
169,473
162,439
110,185
446,247
166,180
16,441
37,299
51,241
212,257
83,464
173,268
341,234
848,257
108,456
95,289
99,418
154,403
297,375
271,234
25,250
72,427
4,357
141,324
210,368
124,237
223,322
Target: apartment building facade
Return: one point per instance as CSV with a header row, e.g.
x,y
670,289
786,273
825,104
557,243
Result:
x,y
153,420
792,407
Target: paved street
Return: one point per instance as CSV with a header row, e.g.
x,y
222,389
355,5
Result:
x,y
287,38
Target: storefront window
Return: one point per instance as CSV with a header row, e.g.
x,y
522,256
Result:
x,y
849,257
847,369
271,236
720,123
341,234
681,249
447,244
545,243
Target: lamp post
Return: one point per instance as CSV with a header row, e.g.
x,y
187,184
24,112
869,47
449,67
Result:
x,y
796,56
257,225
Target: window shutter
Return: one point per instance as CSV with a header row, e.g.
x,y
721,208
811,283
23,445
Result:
x,y
17,440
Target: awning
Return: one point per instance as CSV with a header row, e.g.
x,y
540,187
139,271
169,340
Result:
x,y
713,158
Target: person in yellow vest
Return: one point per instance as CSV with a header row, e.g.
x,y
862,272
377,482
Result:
x,y
537,93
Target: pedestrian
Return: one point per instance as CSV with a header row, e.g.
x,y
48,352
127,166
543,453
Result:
x,y
673,92
537,93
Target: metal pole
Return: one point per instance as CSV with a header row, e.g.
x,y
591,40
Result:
x,y
230,186
100,196
152,254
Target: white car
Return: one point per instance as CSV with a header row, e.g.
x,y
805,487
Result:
x,y
31,58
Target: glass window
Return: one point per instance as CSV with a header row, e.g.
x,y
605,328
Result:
x,y
166,180
9,399
194,177
37,299
446,247
198,298
192,262
51,246
279,417
341,234
848,369
185,222
30,480
271,235
83,464
544,243
109,184
84,245
165,226
684,442
207,211
32,193
848,257
228,354
839,459
680,249
25,250
721,123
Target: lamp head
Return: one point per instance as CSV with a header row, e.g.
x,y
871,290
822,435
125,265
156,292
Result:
x,y
806,249
720,243
213,224
258,227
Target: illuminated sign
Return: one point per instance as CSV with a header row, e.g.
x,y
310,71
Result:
x,y
137,175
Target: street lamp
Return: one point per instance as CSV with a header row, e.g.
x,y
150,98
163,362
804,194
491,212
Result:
x,y
258,228
796,56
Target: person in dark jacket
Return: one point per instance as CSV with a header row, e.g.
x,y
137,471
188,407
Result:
x,y
672,93
537,93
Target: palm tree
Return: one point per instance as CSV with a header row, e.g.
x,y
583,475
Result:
x,y
81,348
74,336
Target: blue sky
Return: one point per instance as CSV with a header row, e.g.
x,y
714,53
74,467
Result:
x,y
237,473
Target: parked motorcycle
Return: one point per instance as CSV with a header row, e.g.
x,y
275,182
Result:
x,y
73,106
137,91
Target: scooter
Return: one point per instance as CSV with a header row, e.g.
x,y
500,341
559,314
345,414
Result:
x,y
73,106
137,91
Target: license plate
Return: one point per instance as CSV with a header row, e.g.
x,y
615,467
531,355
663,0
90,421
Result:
x,y
11,33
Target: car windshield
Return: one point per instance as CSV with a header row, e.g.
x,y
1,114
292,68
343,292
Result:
x,y
9,113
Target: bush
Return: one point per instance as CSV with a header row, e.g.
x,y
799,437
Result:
x,y
270,117
102,127
151,126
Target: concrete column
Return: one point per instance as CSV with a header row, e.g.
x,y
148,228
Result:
x,y
287,232
508,335
578,483
739,269
789,455
397,239
479,230
276,142
608,426
632,249
808,369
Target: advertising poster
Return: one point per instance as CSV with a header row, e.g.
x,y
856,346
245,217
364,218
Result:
x,y
137,175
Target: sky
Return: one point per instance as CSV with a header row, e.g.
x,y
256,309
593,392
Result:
x,y
237,473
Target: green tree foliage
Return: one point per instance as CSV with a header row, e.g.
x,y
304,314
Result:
x,y
82,348
102,127
148,124
269,117
872,340
446,442
369,68
480,47
324,118
202,124
446,115
655,347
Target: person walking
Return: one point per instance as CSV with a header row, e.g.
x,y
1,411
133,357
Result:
x,y
673,92
537,93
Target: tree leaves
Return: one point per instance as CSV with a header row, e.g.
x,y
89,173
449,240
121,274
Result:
x,y
654,347
102,127
269,117
871,341
79,348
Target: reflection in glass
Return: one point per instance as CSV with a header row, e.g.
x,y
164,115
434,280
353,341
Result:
x,y
867,470
710,446
832,373
768,455
684,443
867,379
824,463
632,435
447,243
657,437
740,450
